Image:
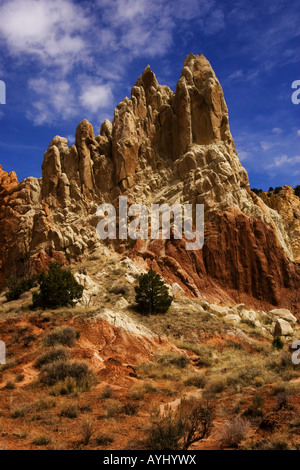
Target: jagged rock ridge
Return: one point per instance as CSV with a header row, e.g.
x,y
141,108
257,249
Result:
x,y
287,204
161,147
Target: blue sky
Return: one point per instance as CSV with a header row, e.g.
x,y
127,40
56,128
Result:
x,y
66,60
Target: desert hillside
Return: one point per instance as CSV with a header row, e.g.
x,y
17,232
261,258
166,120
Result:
x,y
223,355
98,375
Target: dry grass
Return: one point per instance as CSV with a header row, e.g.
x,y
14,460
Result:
x,y
234,432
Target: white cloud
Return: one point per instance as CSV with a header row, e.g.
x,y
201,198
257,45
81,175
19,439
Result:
x,y
237,74
298,132
54,99
66,39
242,75
137,26
95,97
284,160
266,145
277,130
71,139
47,30
243,155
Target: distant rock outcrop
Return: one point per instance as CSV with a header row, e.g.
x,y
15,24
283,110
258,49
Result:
x,y
287,204
161,147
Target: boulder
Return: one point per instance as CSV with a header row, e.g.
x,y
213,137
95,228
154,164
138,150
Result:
x,y
249,315
283,313
218,309
177,290
232,318
283,328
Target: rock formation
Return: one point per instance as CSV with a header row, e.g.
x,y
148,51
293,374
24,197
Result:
x,y
287,204
161,147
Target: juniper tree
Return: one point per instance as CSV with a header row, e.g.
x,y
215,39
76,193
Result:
x,y
58,288
152,294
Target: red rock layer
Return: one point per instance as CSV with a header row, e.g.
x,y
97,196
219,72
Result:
x,y
241,261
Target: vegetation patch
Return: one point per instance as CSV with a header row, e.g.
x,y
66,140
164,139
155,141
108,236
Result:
x,y
58,288
65,336
54,355
83,377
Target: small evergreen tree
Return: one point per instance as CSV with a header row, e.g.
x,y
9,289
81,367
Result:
x,y
58,288
152,294
277,342
297,190
257,191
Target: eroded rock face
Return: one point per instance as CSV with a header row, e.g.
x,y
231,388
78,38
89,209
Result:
x,y
287,204
161,147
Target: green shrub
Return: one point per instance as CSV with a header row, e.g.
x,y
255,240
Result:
x,y
113,409
59,371
10,385
136,393
130,409
149,387
277,342
58,289
171,359
248,375
152,294
28,340
283,366
106,393
258,401
256,191
253,412
85,409
67,386
103,439
45,404
54,355
66,336
20,378
70,411
275,443
215,385
41,441
120,289
18,413
18,287
196,380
